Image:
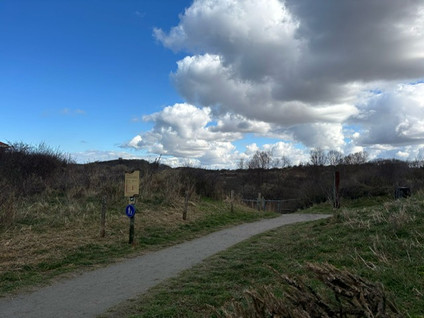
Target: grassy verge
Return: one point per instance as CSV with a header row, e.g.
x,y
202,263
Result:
x,y
56,237
381,242
364,202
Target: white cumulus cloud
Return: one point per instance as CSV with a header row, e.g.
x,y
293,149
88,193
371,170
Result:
x,y
302,70
182,130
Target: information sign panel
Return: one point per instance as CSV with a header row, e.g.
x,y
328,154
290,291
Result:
x,y
132,183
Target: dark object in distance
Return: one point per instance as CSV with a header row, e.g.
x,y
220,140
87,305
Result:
x,y
402,192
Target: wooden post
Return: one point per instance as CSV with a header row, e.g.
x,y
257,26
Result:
x,y
263,203
259,201
131,236
132,222
132,189
103,218
336,193
185,205
232,201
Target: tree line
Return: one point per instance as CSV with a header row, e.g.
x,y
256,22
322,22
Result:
x,y
317,157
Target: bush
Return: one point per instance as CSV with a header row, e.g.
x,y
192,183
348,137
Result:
x,y
7,205
28,169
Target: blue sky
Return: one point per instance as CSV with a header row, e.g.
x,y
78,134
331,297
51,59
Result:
x,y
210,83
75,74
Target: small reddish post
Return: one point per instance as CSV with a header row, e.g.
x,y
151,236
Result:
x,y
336,195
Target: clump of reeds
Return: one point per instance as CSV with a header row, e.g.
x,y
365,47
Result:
x,y
353,296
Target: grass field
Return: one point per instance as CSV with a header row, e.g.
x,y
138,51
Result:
x,y
56,236
380,240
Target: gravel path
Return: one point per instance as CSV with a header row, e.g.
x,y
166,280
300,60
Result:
x,y
92,293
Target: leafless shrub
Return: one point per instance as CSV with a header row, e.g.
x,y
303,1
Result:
x,y
30,170
318,157
334,157
165,186
353,297
7,206
356,158
33,184
260,160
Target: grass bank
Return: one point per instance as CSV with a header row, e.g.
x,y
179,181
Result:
x,y
380,242
57,235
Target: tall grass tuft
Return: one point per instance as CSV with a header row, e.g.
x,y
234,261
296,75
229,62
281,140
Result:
x,y
352,296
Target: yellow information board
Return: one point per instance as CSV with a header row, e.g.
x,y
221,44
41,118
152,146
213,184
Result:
x,y
132,183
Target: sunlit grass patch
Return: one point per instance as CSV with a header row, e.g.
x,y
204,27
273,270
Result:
x,y
381,243
58,234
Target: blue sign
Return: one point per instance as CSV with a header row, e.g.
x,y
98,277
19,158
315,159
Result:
x,y
130,210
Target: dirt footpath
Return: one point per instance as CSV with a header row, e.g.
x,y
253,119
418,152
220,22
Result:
x,y
92,293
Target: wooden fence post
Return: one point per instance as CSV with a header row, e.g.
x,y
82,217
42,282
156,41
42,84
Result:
x,y
232,201
131,234
103,218
259,202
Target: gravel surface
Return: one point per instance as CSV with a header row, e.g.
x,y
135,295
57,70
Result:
x,y
92,293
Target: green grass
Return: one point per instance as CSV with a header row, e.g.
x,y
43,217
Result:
x,y
89,255
216,216
77,256
160,235
380,241
366,202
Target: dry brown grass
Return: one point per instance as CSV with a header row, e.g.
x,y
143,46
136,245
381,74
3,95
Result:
x,y
50,231
65,215
352,297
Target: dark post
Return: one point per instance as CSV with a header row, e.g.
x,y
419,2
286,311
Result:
x,y
131,190
103,218
185,205
131,239
336,194
259,201
132,222
232,201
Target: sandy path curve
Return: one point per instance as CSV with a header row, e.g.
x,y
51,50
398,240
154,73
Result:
x,y
92,293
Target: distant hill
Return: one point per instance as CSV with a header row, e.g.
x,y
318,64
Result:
x,y
131,164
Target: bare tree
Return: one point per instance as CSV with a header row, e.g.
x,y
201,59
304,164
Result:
x,y
285,162
254,162
265,159
282,162
275,163
318,157
241,164
334,157
356,158
260,160
417,163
